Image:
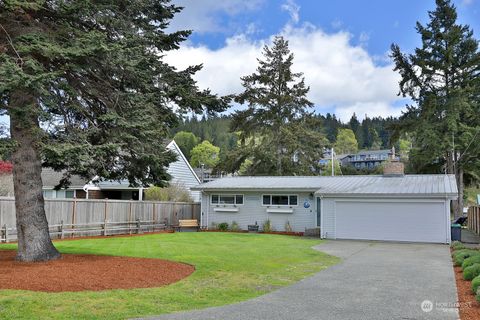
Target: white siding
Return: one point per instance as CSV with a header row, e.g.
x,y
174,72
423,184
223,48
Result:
x,y
252,211
328,212
182,173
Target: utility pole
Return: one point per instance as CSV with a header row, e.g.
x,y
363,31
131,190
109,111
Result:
x,y
333,167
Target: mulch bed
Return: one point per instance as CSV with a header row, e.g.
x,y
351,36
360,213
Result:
x,y
469,307
88,272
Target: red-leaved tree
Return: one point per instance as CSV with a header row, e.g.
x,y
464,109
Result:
x,y
5,167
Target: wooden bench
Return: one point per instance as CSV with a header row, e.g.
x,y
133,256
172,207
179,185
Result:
x,y
188,224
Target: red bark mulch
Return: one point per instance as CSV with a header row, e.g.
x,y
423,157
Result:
x,y
88,272
469,307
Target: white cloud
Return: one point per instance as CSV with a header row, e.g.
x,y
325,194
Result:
x,y
467,2
293,10
342,77
203,16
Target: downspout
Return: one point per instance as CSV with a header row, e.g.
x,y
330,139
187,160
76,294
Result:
x,y
201,209
322,234
207,214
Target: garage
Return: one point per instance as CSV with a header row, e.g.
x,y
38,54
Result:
x,y
392,220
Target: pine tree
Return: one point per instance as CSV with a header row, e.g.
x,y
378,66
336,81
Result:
x,y
276,118
87,91
442,79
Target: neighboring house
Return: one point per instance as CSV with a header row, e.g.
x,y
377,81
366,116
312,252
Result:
x,y
367,159
392,206
181,172
51,178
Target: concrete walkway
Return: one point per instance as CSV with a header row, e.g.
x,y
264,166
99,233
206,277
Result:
x,y
374,281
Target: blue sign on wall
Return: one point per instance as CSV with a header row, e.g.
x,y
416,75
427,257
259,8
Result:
x,y
306,204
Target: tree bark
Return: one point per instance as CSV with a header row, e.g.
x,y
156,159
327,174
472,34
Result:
x,y
34,243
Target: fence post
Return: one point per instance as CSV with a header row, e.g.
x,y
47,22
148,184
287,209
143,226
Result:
x,y
130,218
105,222
5,230
138,226
62,233
74,217
468,217
477,220
154,216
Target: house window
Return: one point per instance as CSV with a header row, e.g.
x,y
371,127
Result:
x,y
279,200
227,199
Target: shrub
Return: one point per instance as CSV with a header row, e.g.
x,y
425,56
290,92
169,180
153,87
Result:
x,y
475,284
470,261
223,226
460,255
457,245
471,272
288,227
234,226
267,226
174,192
6,167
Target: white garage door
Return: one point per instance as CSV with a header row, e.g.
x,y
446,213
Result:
x,y
394,221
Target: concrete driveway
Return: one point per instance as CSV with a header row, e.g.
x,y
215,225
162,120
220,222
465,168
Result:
x,y
375,280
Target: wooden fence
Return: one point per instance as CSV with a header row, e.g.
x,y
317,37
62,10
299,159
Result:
x,y
70,217
474,219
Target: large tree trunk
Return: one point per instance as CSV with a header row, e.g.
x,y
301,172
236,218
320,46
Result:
x,y
34,243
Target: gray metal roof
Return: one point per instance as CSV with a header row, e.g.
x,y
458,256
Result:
x,y
411,185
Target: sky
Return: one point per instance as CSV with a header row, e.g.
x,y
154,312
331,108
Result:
x,y
341,46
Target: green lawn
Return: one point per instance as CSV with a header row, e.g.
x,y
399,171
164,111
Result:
x,y
230,267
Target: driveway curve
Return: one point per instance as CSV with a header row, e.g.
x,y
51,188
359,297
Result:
x,y
375,280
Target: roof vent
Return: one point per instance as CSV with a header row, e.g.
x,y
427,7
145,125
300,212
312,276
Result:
x,y
394,168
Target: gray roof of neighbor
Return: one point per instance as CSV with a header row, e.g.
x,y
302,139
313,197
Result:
x,y
366,152
419,185
51,178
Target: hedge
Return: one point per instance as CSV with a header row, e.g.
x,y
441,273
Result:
x,y
475,284
470,261
471,272
460,255
457,245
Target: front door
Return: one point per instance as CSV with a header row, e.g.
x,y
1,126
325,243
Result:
x,y
319,211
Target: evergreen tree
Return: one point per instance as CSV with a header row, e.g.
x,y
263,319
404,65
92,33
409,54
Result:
x,y
276,114
186,141
87,91
442,78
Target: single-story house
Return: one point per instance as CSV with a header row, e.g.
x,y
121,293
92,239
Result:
x,y
391,207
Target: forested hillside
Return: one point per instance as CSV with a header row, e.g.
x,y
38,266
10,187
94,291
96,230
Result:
x,y
370,133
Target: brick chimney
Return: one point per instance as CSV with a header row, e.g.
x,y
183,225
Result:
x,y
393,168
